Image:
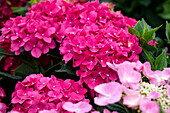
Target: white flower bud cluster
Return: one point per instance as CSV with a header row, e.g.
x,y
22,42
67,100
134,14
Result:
x,y
146,88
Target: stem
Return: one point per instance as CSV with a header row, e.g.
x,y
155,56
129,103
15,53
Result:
x,y
51,68
54,56
18,57
15,77
36,66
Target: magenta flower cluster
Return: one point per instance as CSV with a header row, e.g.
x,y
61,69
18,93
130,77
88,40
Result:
x,y
97,36
36,93
90,35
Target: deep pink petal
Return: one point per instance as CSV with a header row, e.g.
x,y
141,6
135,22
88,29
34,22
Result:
x,y
36,52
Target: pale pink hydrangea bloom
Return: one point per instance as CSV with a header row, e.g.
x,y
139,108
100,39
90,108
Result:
x,y
107,111
109,93
48,111
80,107
127,73
133,96
148,106
156,77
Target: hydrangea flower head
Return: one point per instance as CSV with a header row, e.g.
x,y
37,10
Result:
x,y
80,107
37,93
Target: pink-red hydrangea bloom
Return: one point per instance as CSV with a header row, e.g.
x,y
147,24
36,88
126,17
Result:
x,y
99,36
90,35
36,93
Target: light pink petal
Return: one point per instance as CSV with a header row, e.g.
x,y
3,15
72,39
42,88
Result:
x,y
108,93
106,111
148,106
83,107
48,111
132,100
102,101
108,88
69,106
153,95
95,112
112,66
36,52
128,91
165,75
147,69
128,76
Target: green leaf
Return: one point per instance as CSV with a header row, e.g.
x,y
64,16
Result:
x,y
1,56
150,58
133,31
142,26
139,27
120,108
160,42
148,34
20,10
24,70
167,31
166,11
35,1
161,61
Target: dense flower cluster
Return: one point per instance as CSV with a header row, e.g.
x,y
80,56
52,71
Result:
x,y
97,36
36,93
90,35
38,30
136,92
3,107
8,63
